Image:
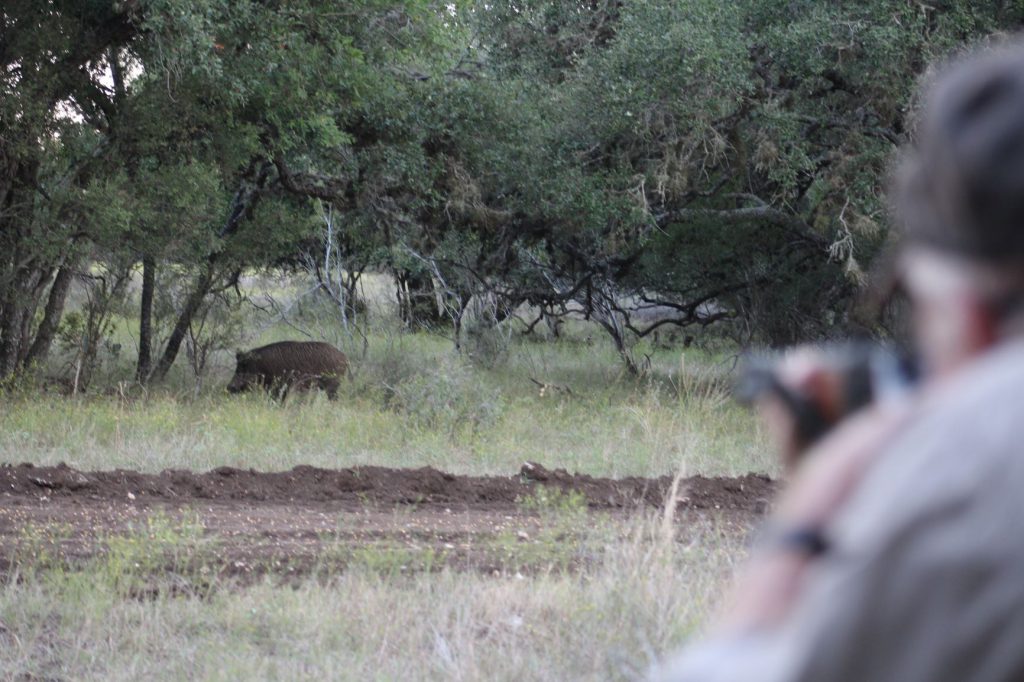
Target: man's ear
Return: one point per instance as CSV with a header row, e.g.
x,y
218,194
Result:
x,y
983,322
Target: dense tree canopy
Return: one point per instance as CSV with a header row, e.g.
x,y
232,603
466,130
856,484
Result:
x,y
714,162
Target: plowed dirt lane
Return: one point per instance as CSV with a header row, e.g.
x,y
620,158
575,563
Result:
x,y
248,522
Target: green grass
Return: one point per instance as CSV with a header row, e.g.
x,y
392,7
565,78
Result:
x,y
411,403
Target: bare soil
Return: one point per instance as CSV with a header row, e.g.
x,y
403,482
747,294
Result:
x,y
297,521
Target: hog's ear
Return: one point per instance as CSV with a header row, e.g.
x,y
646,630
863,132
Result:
x,y
239,354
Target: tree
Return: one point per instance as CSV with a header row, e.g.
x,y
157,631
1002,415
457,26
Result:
x,y
51,57
207,109
696,153
710,162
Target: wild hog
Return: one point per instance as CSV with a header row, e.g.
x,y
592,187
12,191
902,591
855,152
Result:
x,y
282,366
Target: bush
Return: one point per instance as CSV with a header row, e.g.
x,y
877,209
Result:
x,y
445,395
486,345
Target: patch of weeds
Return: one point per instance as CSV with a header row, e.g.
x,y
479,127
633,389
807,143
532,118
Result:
x,y
449,395
391,561
161,557
39,549
563,540
486,343
161,545
553,503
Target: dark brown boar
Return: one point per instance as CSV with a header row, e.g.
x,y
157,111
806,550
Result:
x,y
280,367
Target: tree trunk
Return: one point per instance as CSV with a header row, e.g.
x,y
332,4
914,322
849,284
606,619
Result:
x,y
145,364
418,305
246,197
51,316
43,280
195,300
9,325
20,271
615,331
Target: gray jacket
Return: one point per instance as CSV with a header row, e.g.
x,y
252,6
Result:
x,y
925,578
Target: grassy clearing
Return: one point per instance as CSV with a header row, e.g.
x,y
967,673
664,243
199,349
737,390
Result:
x,y
412,403
151,608
610,620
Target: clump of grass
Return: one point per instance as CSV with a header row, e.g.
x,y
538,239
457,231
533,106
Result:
x,y
555,504
126,563
448,396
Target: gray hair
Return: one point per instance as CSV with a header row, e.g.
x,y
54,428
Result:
x,y
960,189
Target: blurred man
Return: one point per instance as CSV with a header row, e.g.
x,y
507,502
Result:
x,y
897,551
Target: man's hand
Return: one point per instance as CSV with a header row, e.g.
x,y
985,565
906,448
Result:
x,y
812,380
827,474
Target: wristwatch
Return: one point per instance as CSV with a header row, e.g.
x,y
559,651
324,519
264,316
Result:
x,y
809,539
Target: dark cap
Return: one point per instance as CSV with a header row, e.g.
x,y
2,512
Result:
x,y
961,188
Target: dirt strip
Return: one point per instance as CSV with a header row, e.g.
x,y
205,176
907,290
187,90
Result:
x,y
248,521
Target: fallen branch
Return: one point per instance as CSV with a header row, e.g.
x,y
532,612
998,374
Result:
x,y
552,388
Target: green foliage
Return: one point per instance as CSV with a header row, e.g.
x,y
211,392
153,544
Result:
x,y
542,152
71,330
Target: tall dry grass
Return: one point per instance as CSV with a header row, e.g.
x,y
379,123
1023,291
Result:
x,y
612,620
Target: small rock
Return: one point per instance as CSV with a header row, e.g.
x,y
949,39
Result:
x,y
532,471
76,481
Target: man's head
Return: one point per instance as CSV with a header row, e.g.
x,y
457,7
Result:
x,y
960,200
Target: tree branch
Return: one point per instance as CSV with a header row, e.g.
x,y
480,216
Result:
x,y
735,216
314,185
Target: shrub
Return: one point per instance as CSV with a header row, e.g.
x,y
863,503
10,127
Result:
x,y
446,395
